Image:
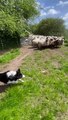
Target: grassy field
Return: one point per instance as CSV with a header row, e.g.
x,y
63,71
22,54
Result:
x,y
7,57
44,94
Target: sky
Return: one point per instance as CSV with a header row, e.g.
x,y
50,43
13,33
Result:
x,y
54,9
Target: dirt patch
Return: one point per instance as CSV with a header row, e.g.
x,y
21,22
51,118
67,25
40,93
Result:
x,y
56,64
63,116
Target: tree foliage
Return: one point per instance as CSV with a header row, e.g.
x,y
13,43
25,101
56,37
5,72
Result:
x,y
50,26
21,8
14,15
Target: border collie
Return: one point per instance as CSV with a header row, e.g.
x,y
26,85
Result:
x,y
9,77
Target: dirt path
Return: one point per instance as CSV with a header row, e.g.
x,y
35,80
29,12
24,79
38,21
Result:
x,y
15,63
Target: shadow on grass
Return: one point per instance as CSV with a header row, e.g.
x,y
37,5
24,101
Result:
x,y
42,48
4,87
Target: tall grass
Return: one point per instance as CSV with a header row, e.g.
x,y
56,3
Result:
x,y
7,57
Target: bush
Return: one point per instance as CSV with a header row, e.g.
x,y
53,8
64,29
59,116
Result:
x,y
66,37
11,29
9,35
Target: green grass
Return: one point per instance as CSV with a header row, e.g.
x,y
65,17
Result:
x,y
66,41
44,94
7,57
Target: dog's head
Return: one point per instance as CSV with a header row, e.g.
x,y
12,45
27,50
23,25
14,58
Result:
x,y
14,75
18,74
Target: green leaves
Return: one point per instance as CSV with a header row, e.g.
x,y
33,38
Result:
x,y
14,15
20,8
7,22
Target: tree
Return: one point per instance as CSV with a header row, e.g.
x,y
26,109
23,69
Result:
x,y
14,15
50,26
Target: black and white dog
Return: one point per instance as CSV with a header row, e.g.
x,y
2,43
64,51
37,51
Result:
x,y
9,77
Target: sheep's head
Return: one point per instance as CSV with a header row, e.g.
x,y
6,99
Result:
x,y
61,40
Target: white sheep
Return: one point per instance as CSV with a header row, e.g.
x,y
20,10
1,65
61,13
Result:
x,y
41,43
35,42
47,41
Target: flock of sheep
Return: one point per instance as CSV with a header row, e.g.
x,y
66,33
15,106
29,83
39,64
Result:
x,y
39,41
